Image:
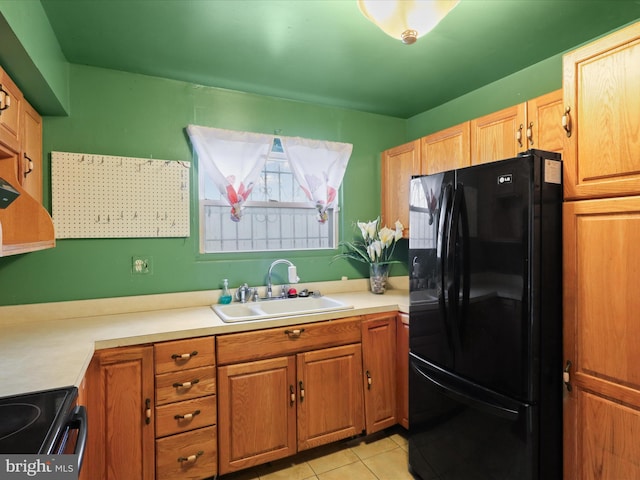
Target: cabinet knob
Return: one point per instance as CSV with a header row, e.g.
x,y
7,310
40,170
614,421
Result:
x,y
292,396
530,133
369,381
301,391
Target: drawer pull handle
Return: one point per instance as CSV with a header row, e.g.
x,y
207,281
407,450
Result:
x,y
369,381
191,458
184,356
301,391
186,384
187,416
294,333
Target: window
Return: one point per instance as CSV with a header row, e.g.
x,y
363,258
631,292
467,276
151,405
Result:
x,y
276,216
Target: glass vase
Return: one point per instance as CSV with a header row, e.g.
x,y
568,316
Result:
x,y
378,275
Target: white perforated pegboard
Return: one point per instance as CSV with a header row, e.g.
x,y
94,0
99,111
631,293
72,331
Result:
x,y
102,196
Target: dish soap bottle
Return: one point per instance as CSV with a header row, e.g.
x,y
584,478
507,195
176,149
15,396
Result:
x,y
225,295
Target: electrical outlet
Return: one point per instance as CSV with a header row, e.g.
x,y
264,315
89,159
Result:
x,y
141,265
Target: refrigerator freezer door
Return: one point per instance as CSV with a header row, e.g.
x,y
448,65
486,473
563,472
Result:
x,y
461,431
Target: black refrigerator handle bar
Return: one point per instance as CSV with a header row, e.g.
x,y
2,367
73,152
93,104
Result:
x,y
442,255
458,260
462,397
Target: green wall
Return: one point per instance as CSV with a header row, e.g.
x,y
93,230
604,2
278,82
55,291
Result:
x,y
116,113
536,80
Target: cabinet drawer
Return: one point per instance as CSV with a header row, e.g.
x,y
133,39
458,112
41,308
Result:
x,y
190,455
178,386
246,346
183,354
184,416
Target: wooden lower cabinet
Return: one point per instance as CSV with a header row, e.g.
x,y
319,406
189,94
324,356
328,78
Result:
x,y
120,403
330,404
273,408
379,366
186,414
287,389
402,370
257,405
601,336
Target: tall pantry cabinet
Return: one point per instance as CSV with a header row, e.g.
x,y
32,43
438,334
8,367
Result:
x,y
601,257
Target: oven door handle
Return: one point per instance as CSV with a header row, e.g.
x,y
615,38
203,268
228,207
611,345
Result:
x,y
78,421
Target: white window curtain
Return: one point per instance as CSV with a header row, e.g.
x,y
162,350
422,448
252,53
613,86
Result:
x,y
232,159
319,167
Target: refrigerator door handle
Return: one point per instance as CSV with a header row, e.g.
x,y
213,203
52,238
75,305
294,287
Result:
x,y
458,251
459,395
442,255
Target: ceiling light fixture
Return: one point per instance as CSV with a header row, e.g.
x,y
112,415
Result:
x,y
406,20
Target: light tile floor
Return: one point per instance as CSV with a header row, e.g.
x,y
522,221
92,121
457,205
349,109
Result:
x,y
382,456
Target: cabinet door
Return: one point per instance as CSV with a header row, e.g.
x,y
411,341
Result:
x,y
498,135
10,107
256,412
120,415
446,150
402,349
544,122
379,365
330,405
600,82
601,336
30,171
398,164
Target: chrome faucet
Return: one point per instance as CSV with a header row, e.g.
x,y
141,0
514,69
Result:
x,y
292,273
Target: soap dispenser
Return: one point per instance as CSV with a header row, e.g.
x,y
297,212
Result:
x,y
225,295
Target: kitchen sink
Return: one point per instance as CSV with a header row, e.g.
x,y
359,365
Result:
x,y
289,307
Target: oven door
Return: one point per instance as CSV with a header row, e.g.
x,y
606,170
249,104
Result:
x,y
72,437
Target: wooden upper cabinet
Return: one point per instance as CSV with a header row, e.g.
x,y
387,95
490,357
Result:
x,y
446,150
499,135
601,83
398,165
10,107
30,165
544,122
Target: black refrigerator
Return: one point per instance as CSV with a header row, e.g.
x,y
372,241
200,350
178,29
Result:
x,y
485,329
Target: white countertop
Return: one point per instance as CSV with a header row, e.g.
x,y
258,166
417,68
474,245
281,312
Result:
x,y
50,345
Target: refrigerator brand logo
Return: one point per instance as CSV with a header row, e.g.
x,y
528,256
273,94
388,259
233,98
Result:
x,y
503,179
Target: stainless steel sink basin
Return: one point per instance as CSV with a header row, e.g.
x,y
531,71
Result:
x,y
242,312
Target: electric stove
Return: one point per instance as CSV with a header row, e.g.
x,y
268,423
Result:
x,y
40,422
